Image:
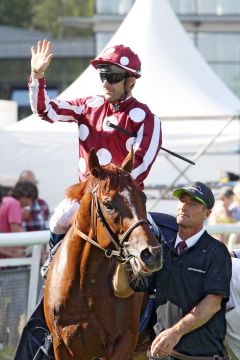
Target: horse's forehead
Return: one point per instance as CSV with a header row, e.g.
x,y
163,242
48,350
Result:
x,y
125,192
128,195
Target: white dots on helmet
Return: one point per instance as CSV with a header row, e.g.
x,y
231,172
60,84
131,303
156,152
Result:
x,y
121,56
137,114
104,156
83,132
124,61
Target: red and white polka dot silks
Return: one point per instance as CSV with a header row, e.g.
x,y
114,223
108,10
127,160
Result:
x,y
92,114
121,56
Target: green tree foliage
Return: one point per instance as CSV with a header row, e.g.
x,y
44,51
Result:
x,y
44,15
47,14
16,13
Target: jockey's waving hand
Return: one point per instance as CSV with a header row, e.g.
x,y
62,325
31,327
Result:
x,y
41,58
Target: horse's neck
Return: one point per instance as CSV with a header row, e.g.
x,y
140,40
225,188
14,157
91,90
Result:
x,y
88,257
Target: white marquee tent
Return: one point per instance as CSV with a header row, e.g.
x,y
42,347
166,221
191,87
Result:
x,y
196,108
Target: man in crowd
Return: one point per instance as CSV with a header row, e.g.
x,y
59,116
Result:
x,y
36,216
235,206
221,213
232,339
22,195
192,288
111,123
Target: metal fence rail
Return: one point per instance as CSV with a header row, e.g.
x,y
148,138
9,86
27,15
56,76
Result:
x,y
19,284
37,239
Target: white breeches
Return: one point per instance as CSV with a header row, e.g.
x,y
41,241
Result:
x,y
63,216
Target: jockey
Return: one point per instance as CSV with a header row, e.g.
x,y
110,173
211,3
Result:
x,y
111,123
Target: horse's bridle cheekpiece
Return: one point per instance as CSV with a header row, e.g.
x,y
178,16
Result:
x,y
120,253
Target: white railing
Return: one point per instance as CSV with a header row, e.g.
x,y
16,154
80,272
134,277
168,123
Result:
x,y
39,238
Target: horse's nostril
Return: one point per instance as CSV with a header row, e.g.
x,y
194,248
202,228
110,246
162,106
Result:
x,y
145,255
151,258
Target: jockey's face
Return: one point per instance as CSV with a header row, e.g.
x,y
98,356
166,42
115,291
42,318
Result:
x,y
119,90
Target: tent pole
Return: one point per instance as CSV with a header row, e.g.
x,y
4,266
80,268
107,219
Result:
x,y
176,167
196,157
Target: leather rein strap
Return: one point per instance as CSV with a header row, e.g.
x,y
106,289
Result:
x,y
179,356
120,253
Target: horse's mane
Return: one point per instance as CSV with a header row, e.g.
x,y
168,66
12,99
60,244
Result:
x,y
113,177
110,177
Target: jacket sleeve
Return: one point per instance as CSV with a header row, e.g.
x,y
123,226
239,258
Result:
x,y
146,147
52,109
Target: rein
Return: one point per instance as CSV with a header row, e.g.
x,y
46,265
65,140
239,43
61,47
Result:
x,y
118,241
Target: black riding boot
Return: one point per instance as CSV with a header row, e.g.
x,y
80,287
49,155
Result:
x,y
54,242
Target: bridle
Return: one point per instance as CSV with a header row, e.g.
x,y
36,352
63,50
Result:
x,y
121,254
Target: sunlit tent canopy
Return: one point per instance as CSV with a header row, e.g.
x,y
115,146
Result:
x,y
199,113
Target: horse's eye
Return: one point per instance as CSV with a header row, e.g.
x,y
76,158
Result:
x,y
108,205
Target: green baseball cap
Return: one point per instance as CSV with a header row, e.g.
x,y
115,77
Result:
x,y
199,192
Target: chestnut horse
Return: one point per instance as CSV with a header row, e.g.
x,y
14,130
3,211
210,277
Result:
x,y
86,319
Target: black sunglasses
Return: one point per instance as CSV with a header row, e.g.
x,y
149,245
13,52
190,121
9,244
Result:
x,y
112,78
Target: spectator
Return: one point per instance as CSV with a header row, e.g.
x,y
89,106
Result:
x,y
192,288
235,207
232,339
35,216
11,206
227,176
111,123
221,213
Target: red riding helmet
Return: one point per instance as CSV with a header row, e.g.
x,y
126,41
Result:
x,y
122,57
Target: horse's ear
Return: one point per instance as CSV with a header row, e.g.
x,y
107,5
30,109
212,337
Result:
x,y
93,163
127,164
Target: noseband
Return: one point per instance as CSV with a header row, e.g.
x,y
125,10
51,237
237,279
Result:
x,y
120,253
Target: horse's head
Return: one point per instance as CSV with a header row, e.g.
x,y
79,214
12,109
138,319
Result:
x,y
118,214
